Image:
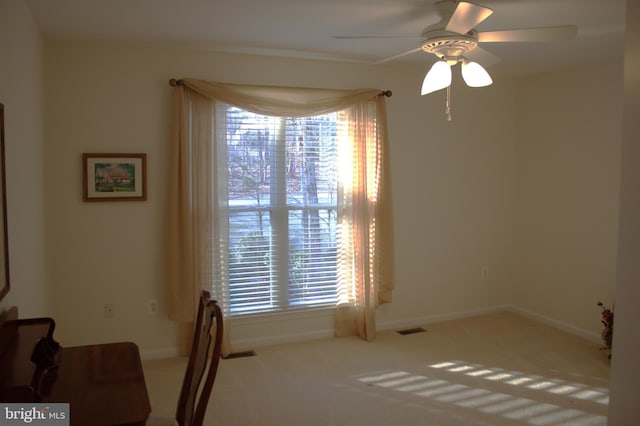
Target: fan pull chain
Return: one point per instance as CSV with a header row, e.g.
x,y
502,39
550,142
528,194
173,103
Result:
x,y
448,107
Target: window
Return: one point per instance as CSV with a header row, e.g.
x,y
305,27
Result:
x,y
282,207
274,212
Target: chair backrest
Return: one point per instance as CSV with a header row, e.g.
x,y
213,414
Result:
x,y
203,363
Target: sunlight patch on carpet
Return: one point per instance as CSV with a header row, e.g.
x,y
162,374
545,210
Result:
x,y
461,384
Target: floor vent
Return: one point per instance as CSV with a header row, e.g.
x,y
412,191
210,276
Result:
x,y
244,354
411,331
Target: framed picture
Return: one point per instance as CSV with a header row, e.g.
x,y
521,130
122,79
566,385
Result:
x,y
4,239
114,177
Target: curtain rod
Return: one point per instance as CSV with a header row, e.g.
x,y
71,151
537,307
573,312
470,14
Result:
x,y
174,82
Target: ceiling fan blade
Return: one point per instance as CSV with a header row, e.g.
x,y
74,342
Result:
x,y
467,16
483,57
369,37
399,55
566,32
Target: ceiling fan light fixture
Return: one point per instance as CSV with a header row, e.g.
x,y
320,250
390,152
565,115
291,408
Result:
x,y
475,75
438,77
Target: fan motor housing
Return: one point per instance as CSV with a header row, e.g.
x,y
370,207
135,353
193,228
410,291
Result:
x,y
448,45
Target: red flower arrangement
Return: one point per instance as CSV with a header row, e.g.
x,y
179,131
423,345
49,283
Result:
x,y
607,321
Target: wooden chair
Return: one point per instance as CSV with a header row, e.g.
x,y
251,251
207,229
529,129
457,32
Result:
x,y
202,367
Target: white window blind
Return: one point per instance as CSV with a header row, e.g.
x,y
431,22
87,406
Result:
x,y
282,188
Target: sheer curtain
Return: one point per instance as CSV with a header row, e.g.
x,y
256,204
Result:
x,y
197,221
365,221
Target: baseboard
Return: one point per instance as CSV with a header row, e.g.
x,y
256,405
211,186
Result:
x,y
257,342
253,343
159,354
561,325
432,319
427,319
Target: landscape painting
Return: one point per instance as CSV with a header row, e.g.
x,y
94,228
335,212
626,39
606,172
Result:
x,y
114,177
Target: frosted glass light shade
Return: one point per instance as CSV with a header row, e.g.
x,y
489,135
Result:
x,y
438,77
474,75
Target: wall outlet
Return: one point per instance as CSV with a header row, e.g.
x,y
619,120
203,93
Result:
x,y
109,310
484,273
152,306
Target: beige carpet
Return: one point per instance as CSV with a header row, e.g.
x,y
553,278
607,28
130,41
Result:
x,y
497,369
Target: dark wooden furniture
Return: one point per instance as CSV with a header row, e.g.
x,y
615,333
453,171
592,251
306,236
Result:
x,y
203,363
4,239
103,384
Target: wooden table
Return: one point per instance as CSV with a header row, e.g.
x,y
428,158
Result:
x,y
103,384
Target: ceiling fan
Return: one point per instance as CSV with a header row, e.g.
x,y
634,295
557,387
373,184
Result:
x,y
454,39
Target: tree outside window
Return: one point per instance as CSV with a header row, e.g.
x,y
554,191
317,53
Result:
x,y
282,186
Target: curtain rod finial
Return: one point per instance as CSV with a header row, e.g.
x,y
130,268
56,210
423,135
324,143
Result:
x,y
174,82
386,93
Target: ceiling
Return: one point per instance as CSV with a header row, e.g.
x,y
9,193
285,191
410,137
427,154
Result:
x,y
306,28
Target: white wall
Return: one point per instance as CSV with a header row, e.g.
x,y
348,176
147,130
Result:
x,y
453,199
625,373
21,92
461,188
452,185
454,212
569,133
